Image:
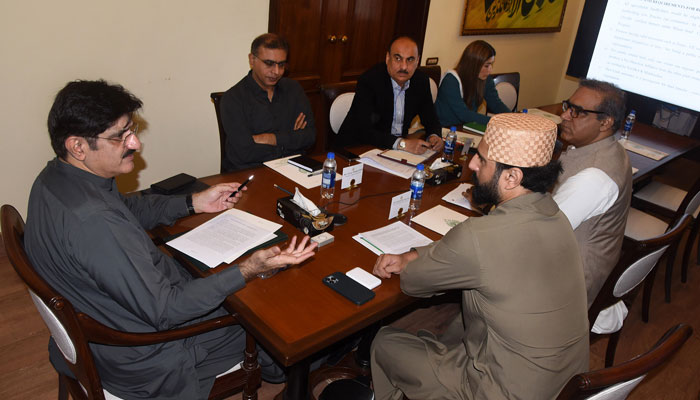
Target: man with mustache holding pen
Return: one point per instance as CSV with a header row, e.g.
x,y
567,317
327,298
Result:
x,y
387,98
89,243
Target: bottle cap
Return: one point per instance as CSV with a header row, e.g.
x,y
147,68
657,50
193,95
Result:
x,y
330,155
524,110
453,129
420,167
633,112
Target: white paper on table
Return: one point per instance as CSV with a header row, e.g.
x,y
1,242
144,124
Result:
x,y
395,238
352,172
413,159
372,159
368,245
455,196
260,223
224,238
399,202
296,174
439,219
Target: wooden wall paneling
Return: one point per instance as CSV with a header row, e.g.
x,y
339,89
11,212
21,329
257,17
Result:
x,y
412,20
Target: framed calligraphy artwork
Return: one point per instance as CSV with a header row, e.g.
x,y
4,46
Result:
x,y
488,17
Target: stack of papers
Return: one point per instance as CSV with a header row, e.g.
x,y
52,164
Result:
x,y
439,219
225,238
405,157
296,174
396,238
373,159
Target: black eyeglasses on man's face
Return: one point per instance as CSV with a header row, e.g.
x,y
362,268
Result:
x,y
272,63
577,110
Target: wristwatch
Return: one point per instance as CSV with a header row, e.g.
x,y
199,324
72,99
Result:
x,y
402,144
188,202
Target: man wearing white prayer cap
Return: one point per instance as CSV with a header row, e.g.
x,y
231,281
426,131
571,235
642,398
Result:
x,y
523,331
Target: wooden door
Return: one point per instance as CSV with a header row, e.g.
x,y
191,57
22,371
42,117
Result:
x,y
337,40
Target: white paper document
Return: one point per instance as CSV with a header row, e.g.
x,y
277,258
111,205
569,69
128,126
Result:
x,y
439,219
372,159
455,196
296,174
225,237
403,155
395,238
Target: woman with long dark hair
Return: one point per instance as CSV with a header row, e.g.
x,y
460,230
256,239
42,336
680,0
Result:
x,y
463,89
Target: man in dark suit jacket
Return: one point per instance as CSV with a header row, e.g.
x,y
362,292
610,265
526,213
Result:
x,y
389,95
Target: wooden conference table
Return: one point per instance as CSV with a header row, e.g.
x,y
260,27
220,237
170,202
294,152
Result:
x,y
293,314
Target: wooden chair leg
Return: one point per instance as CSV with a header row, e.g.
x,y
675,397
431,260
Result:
x,y
646,295
252,369
688,249
62,388
670,260
612,346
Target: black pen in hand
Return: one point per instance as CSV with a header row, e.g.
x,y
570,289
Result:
x,y
250,178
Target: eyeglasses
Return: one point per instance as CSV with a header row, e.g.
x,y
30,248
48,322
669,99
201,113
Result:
x,y
576,110
133,130
272,63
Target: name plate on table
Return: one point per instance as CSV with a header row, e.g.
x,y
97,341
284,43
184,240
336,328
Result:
x,y
634,147
400,204
352,175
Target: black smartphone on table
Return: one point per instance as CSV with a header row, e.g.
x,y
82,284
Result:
x,y
348,288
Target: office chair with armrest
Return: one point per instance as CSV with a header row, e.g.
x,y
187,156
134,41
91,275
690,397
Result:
x,y
216,99
615,383
637,263
337,99
508,87
671,204
73,331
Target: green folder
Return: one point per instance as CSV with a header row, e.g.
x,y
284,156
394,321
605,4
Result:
x,y
279,237
475,127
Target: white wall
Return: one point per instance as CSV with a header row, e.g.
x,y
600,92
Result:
x,y
172,54
541,58
169,53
